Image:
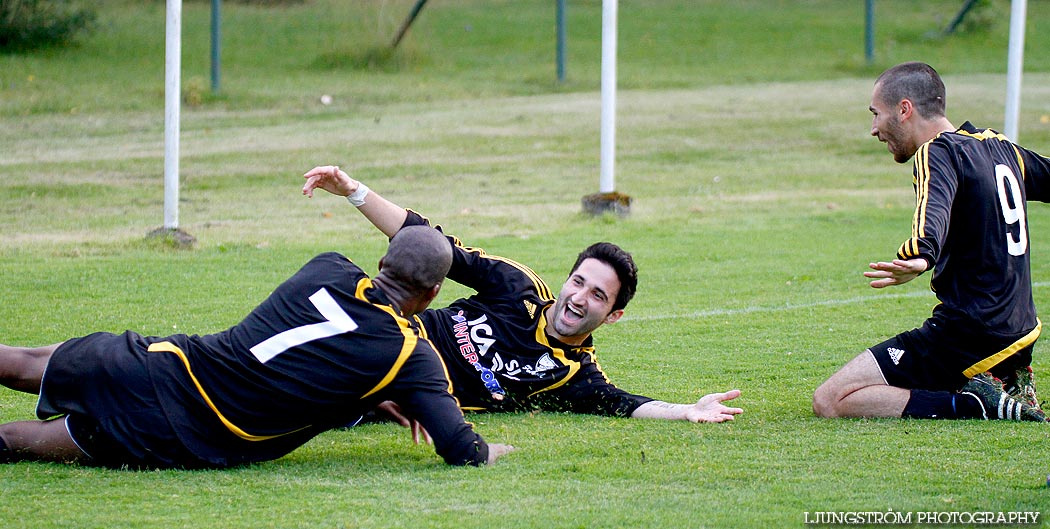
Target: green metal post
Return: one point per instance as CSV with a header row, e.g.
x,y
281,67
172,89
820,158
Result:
x,y
869,31
560,23
215,45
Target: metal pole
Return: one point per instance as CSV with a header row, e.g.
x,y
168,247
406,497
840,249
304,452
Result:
x,y
215,44
172,91
560,24
408,22
869,31
1014,67
954,24
607,183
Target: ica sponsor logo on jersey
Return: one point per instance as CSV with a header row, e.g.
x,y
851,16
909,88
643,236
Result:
x,y
474,339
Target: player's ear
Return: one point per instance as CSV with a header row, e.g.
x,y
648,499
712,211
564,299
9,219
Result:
x,y
421,300
614,316
906,108
431,293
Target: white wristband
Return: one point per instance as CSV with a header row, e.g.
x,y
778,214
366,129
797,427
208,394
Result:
x,y
357,198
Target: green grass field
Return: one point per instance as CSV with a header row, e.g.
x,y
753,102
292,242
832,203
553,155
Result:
x,y
759,197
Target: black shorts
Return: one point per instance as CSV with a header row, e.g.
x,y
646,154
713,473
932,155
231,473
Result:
x,y
936,357
102,383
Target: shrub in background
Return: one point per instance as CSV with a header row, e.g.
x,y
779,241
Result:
x,y
30,24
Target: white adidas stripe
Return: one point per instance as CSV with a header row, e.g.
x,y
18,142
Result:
x,y
1009,408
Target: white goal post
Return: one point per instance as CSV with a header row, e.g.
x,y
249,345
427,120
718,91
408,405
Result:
x,y
607,178
1014,67
172,102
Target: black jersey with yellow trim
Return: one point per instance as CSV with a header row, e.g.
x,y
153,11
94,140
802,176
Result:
x,y
322,349
970,225
495,342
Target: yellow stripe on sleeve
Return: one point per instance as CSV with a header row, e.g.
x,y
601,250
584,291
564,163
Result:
x,y
923,190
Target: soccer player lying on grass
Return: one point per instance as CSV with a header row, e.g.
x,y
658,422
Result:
x,y
325,347
513,346
971,359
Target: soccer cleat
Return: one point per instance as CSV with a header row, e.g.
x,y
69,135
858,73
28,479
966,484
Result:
x,y
996,403
1022,387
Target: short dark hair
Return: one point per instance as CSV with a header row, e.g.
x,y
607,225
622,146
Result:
x,y
620,261
917,82
418,258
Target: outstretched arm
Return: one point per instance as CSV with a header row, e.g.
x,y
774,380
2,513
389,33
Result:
x,y
896,272
708,409
382,213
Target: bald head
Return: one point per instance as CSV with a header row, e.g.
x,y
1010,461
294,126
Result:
x,y
417,259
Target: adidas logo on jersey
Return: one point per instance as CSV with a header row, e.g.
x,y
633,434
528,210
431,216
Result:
x,y
531,307
895,354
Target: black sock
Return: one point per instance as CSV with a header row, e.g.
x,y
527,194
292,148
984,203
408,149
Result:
x,y
969,407
925,404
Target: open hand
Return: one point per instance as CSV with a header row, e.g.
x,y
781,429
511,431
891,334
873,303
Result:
x,y
497,450
331,179
710,408
394,411
896,272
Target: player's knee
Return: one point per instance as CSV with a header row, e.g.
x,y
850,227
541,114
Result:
x,y
825,401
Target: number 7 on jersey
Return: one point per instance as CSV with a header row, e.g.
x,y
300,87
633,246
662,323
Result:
x,y
337,321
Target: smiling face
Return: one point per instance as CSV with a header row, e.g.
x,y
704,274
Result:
x,y
887,126
585,302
